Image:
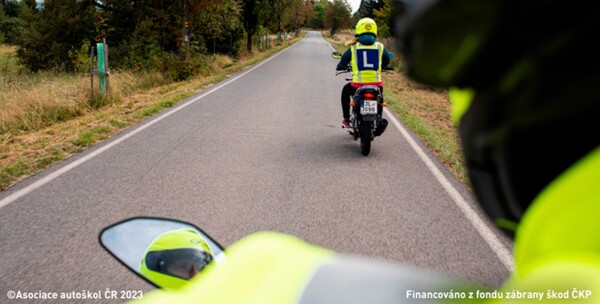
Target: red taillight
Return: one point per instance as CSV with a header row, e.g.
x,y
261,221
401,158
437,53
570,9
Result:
x,y
369,96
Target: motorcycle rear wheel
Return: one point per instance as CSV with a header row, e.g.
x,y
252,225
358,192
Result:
x,y
365,139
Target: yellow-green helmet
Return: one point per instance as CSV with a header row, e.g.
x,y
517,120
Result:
x,y
175,257
366,25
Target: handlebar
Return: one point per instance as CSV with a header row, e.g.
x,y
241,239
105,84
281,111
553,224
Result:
x,y
349,70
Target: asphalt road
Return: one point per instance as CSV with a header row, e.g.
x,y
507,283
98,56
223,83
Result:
x,y
262,150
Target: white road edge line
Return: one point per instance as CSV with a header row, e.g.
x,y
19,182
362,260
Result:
x,y
486,233
48,178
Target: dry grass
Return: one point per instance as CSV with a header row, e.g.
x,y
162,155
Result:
x,y
30,103
427,113
8,60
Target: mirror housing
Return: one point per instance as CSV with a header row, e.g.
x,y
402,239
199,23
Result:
x,y
336,55
139,244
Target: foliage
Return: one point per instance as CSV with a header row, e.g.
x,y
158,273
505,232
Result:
x,y
384,16
2,18
12,29
220,26
250,20
316,21
80,59
11,7
143,35
178,69
337,15
11,25
294,15
367,7
51,33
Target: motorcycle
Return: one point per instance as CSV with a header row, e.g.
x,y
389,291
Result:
x,y
366,107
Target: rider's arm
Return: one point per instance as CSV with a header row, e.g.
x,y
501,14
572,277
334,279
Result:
x,y
345,60
387,57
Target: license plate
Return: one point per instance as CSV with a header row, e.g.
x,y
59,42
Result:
x,y
368,107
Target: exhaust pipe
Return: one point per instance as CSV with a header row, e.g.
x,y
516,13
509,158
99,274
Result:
x,y
381,126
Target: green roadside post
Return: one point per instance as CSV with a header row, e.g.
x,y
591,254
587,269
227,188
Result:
x,y
260,42
102,71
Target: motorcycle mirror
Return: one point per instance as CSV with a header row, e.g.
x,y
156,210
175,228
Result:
x,y
128,241
336,55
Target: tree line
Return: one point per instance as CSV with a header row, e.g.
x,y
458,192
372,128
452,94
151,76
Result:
x,y
152,34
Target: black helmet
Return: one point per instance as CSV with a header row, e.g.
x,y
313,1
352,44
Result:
x,y
533,67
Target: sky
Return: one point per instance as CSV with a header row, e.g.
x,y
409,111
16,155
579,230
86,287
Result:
x,y
355,4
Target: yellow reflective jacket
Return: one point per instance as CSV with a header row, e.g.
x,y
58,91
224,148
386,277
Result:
x,y
366,64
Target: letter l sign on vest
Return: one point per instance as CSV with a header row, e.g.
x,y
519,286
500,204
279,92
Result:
x,y
366,64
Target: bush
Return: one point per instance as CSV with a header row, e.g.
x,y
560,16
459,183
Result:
x,y
12,29
178,69
81,58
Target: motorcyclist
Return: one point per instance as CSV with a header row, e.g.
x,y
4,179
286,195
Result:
x,y
366,56
523,88
528,73
174,257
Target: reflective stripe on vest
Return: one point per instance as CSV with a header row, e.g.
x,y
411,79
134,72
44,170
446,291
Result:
x,y
366,62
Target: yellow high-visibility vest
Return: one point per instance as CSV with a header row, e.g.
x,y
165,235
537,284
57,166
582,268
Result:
x,y
366,63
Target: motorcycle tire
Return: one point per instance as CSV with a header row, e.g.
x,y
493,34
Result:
x,y
365,139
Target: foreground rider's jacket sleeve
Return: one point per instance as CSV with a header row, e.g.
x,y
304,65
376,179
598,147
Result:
x,y
557,245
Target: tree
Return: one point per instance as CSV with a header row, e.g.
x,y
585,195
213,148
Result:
x,y
316,22
295,15
51,33
11,8
277,11
145,34
31,4
2,17
250,16
367,6
337,15
308,12
384,16
12,23
219,23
